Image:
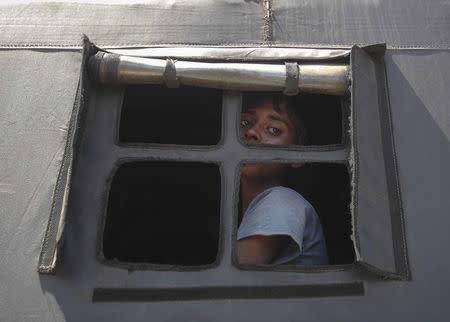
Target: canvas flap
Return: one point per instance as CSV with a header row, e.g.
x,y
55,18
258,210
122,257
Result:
x,y
376,204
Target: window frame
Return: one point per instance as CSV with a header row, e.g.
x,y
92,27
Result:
x,y
346,273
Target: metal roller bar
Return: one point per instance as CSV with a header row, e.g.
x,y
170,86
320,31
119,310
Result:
x,y
233,53
117,69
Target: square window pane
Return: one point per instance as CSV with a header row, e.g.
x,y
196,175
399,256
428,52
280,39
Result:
x,y
163,213
157,114
276,198
306,119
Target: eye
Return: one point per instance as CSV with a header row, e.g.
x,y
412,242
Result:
x,y
245,123
274,131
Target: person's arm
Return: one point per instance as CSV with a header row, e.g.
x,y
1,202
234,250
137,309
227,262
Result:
x,y
259,249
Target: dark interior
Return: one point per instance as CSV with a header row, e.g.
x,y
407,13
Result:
x,y
157,114
327,187
164,213
192,116
321,117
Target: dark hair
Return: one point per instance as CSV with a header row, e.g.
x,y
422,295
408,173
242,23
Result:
x,y
252,100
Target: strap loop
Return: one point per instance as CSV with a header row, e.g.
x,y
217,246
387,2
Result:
x,y
170,74
292,75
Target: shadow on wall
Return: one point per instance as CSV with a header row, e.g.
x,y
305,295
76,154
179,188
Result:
x,y
419,96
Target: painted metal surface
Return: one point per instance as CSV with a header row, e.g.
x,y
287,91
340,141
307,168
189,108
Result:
x,y
37,92
325,24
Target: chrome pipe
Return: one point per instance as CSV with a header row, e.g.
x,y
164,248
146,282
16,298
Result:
x,y
118,69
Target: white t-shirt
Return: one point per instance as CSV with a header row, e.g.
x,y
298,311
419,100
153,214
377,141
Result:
x,y
283,211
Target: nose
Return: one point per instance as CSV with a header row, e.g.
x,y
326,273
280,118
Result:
x,y
252,135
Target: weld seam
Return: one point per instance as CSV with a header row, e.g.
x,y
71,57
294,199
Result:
x,y
268,21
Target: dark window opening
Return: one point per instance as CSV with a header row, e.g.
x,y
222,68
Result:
x,y
326,187
157,114
319,118
164,213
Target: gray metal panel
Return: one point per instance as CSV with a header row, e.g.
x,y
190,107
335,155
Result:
x,y
414,23
419,97
323,23
161,22
37,93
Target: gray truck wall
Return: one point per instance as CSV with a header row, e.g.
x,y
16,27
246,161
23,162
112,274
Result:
x,y
39,72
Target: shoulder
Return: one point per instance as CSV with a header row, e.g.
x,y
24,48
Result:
x,y
284,192
281,197
280,204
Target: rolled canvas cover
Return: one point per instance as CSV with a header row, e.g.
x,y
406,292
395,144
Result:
x,y
291,77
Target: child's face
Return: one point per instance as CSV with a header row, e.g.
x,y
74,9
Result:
x,y
263,124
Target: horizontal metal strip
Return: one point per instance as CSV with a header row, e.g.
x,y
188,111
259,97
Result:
x,y
118,69
226,293
75,46
226,154
243,53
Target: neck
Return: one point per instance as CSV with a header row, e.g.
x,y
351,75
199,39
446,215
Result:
x,y
251,188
